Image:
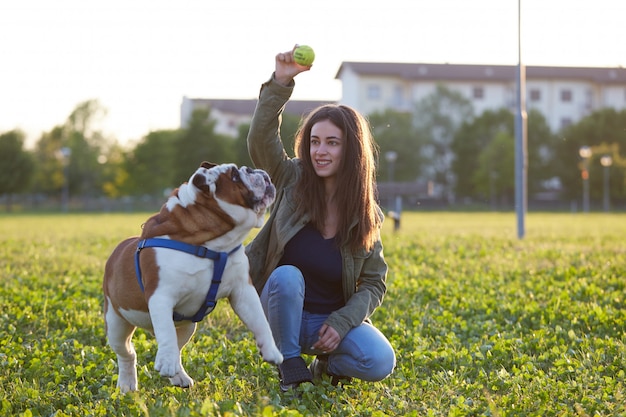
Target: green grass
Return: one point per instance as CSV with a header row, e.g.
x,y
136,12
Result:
x,y
483,324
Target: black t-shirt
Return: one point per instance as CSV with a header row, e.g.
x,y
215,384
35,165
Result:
x,y
320,262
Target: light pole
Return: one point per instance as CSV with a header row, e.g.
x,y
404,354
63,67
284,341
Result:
x,y
585,153
391,157
606,162
65,195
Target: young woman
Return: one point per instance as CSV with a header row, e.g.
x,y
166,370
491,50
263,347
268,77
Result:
x,y
318,262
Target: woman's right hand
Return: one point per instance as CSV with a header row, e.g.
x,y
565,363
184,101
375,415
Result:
x,y
287,68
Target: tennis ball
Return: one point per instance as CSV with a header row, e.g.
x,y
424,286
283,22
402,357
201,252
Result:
x,y
304,55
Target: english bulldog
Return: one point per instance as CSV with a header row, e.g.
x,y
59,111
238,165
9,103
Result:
x,y
188,256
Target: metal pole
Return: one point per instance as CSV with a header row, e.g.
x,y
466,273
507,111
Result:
x,y
606,188
521,162
586,194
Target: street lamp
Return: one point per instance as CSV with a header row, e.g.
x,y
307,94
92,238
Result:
x,y
606,162
585,153
65,196
391,157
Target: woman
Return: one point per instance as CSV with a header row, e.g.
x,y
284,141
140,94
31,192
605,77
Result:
x,y
318,262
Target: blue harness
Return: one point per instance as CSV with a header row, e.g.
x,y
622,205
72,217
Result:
x,y
199,251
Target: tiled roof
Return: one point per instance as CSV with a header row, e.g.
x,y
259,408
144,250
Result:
x,y
246,107
451,72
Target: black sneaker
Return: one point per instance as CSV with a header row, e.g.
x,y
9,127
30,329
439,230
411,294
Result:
x,y
319,368
292,373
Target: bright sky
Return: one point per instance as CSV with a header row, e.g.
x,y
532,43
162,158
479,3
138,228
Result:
x,y
140,57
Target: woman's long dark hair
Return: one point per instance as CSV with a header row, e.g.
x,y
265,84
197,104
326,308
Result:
x,y
356,185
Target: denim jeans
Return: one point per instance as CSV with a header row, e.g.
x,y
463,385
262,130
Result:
x,y
363,353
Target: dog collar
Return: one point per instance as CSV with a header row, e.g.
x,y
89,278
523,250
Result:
x,y
199,251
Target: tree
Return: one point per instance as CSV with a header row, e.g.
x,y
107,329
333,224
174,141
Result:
x,y
476,135
16,165
437,118
49,178
87,144
393,132
601,129
149,166
199,142
469,141
495,175
288,129
81,136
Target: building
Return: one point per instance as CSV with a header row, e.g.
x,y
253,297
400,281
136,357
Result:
x,y
230,114
563,95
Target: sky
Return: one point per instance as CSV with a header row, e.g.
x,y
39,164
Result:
x,y
138,58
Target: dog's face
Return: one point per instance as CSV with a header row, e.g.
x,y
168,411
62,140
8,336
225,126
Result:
x,y
231,186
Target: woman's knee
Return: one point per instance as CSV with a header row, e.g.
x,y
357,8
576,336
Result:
x,y
286,279
382,364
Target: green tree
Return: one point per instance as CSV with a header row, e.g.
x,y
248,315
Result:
x,y
199,142
542,147
84,138
288,128
49,178
115,175
80,134
394,132
149,165
476,135
16,165
437,118
603,129
494,176
469,141
240,146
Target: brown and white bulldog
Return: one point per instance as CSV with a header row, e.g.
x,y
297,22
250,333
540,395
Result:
x,y
214,210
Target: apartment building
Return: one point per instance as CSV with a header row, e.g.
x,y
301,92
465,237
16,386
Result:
x,y
563,95
230,114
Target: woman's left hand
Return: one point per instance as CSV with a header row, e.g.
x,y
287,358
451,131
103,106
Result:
x,y
329,339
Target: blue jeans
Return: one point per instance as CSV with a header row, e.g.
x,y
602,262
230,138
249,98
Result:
x,y
363,353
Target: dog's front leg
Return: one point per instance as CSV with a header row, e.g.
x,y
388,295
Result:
x,y
245,302
167,361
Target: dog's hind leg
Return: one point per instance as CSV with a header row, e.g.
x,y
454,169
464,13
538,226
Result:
x,y
119,335
183,334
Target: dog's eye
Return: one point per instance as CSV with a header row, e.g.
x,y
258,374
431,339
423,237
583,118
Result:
x,y
235,175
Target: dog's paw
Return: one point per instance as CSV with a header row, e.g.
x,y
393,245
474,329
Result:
x,y
271,354
126,385
127,380
167,365
181,379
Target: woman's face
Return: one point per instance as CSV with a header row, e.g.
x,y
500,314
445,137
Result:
x,y
327,143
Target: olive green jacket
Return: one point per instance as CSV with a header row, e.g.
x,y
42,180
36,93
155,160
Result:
x,y
364,273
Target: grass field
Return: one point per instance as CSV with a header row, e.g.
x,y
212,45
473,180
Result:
x,y
482,324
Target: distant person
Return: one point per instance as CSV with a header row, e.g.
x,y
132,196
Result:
x,y
318,262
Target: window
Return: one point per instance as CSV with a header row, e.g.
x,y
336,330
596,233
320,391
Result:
x,y
535,95
566,95
373,91
398,96
565,122
478,93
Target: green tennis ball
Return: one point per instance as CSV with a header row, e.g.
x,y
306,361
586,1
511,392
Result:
x,y
304,55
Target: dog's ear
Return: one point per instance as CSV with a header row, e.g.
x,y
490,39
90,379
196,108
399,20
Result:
x,y
207,165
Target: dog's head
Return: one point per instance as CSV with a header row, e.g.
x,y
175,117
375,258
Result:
x,y
234,187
